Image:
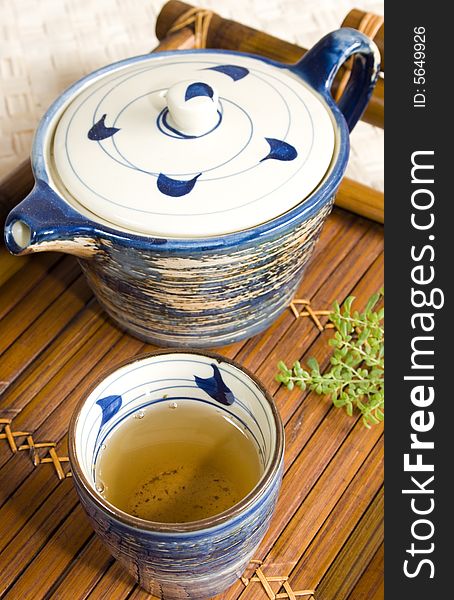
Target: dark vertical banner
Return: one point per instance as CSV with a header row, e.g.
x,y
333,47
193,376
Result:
x,y
419,235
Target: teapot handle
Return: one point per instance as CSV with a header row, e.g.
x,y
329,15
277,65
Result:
x,y
321,63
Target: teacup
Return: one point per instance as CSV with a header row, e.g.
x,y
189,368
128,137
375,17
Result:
x,y
197,559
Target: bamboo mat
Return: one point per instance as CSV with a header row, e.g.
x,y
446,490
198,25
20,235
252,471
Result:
x,y
326,534
45,45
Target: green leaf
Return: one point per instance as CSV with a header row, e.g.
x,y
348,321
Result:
x,y
372,302
312,363
348,304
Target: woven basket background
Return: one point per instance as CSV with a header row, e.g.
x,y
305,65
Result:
x,y
45,45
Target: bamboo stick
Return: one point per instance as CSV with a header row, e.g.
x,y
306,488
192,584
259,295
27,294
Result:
x,y
361,199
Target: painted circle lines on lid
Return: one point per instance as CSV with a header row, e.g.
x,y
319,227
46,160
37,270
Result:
x,y
193,145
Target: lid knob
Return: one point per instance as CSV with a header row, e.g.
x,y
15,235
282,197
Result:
x,y
193,107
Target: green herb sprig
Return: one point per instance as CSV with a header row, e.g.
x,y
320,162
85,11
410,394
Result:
x,y
356,376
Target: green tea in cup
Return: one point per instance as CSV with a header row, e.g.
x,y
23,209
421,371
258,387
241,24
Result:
x,y
177,462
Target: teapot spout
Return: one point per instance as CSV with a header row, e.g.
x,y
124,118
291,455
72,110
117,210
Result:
x,y
43,221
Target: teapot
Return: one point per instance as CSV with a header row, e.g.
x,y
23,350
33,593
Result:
x,y
193,185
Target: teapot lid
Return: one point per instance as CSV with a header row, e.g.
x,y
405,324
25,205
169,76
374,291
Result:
x,y
193,144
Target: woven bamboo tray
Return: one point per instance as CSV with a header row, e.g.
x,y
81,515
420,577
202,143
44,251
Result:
x,y
326,535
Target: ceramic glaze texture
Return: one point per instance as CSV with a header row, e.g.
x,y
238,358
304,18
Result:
x,y
193,560
210,298
213,279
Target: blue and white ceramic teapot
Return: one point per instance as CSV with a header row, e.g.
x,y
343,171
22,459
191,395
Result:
x,y
193,185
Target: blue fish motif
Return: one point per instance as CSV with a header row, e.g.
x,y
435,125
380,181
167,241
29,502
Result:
x,y
234,71
198,89
215,387
100,132
280,150
175,187
110,405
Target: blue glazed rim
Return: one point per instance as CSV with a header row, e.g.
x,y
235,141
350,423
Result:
x,y
251,501
83,225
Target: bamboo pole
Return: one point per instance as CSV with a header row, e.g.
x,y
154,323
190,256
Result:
x,y
361,199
